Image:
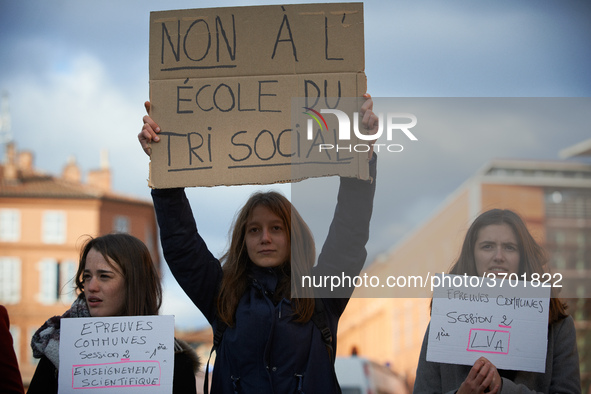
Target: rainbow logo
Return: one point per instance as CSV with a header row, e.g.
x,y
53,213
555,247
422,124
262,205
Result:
x,y
316,116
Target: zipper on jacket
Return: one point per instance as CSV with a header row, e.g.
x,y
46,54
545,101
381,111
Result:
x,y
235,383
300,378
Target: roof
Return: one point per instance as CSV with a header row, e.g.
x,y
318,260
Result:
x,y
583,148
545,173
38,185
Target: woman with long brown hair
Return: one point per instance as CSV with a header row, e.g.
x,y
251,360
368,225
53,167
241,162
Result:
x,y
498,243
269,341
236,261
116,277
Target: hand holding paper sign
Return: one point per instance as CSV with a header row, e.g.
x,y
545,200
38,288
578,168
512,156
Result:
x,y
258,290
370,121
483,377
149,131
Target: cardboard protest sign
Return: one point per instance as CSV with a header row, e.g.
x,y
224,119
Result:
x,y
505,322
129,354
222,82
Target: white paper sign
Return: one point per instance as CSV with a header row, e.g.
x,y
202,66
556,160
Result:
x,y
474,316
126,354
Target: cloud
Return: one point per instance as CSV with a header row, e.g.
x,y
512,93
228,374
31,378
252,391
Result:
x,y
73,109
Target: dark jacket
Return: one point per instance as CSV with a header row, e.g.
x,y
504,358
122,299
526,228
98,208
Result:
x,y
266,351
10,381
186,363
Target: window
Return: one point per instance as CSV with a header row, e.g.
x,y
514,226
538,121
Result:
x,y
10,225
10,280
48,282
54,227
56,281
121,224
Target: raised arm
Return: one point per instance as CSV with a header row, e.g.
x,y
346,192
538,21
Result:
x,y
196,270
344,253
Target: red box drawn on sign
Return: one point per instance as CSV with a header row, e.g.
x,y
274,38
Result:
x,y
488,341
125,373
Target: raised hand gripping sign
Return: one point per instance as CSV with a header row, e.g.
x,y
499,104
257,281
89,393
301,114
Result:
x,y
502,319
127,354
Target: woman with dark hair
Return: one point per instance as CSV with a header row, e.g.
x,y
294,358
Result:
x,y
498,243
116,277
269,342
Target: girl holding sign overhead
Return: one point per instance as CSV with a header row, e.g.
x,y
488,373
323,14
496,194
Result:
x,y
116,277
498,242
267,339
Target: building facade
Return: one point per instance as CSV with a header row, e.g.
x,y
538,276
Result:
x,y
553,198
44,220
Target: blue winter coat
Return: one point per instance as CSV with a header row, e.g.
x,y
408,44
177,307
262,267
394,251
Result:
x,y
266,351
